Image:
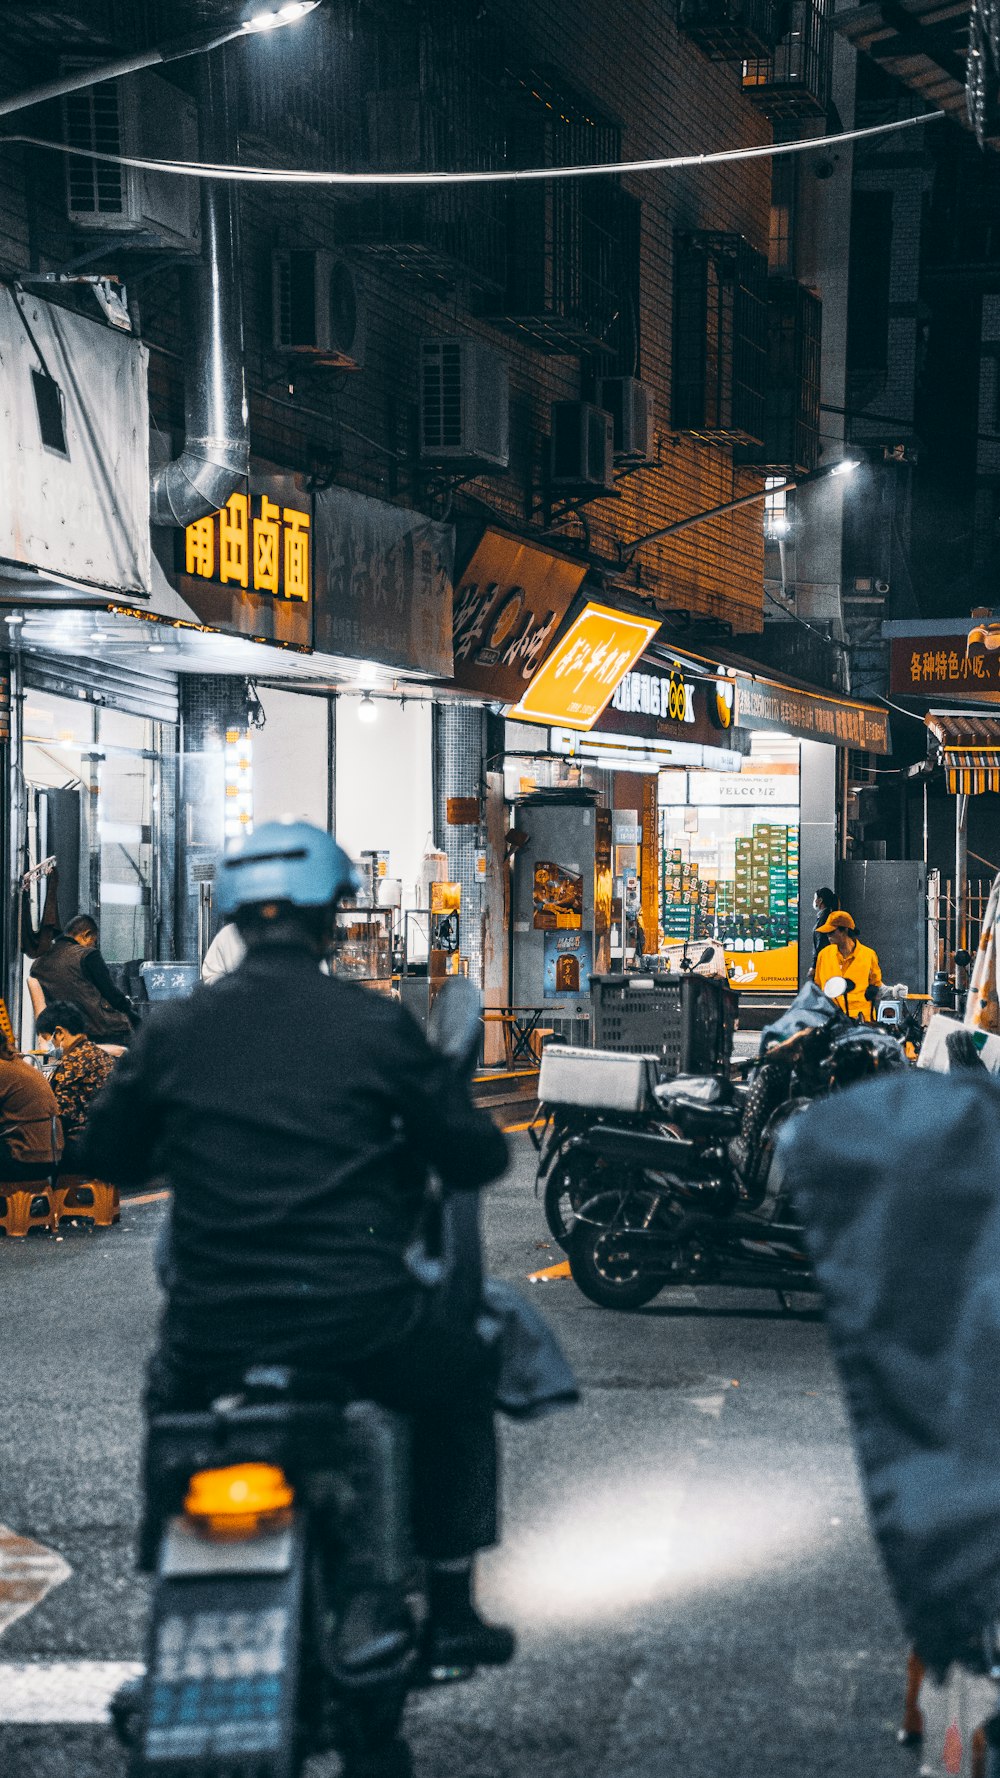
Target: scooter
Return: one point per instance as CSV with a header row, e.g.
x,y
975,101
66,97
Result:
x,y
700,1201
272,1521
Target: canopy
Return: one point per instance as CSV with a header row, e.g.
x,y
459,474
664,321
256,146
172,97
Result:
x,y
970,750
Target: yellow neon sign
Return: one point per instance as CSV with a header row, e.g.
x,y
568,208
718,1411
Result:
x,y
253,543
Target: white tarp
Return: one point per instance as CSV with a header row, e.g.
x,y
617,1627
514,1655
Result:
x,y
80,513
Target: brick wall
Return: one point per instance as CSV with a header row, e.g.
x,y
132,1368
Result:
x,y
359,428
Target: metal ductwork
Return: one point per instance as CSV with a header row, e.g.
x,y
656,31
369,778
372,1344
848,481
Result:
x,y
216,454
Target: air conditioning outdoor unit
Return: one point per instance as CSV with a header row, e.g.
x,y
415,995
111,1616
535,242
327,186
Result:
x,y
582,447
143,116
630,404
317,309
464,403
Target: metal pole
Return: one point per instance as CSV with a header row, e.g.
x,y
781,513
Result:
x,y
844,784
961,890
925,820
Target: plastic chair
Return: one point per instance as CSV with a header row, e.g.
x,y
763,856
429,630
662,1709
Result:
x,y
80,1198
25,1205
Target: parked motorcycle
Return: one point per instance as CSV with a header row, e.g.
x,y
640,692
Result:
x,y
272,1520
689,1192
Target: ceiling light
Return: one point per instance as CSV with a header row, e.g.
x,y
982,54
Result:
x,y
156,648
367,711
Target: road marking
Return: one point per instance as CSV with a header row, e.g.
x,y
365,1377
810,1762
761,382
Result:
x,y
548,1272
27,1572
62,1691
147,1198
512,1129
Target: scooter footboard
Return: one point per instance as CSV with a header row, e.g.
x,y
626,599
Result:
x,y
223,1654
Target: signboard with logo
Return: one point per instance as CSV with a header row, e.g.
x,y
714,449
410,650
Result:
x,y
656,701
248,569
938,666
578,677
383,583
763,704
508,606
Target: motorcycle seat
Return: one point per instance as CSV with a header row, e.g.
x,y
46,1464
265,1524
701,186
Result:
x,y
692,1089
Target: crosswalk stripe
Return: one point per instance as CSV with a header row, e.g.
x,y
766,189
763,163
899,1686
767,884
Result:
x,y
28,1571
61,1691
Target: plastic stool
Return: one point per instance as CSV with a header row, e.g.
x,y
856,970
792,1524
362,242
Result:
x,y
86,1199
27,1205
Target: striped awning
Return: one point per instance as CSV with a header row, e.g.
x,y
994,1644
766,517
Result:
x,y
970,751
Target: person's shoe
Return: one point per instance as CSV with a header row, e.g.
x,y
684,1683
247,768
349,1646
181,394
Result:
x,y
453,1651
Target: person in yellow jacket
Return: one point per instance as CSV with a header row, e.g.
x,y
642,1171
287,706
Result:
x,y
847,956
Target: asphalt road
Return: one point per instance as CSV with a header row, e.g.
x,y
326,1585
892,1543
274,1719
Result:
x,y
686,1556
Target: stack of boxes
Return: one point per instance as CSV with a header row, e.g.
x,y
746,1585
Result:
x,y
757,910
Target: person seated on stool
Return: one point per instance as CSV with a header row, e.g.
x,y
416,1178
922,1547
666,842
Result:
x,y
31,1138
78,1077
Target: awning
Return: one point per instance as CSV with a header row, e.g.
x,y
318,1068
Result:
x,y
970,751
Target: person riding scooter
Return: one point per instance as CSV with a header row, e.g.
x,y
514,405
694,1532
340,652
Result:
x,y
846,956
296,1116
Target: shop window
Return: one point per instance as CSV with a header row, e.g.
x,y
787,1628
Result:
x,y
729,847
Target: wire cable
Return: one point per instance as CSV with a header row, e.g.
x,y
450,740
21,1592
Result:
x,y
494,176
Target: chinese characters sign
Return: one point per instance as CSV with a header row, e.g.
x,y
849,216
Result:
x,y
579,676
927,666
762,704
656,702
508,606
248,568
383,583
253,542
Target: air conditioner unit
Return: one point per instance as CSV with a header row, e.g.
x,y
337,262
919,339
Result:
x,y
464,403
141,116
317,309
582,447
630,404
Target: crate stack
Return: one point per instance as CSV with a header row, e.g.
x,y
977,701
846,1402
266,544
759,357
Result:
x,y
681,890
763,911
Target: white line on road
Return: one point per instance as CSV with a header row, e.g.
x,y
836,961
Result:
x,y
27,1572
61,1691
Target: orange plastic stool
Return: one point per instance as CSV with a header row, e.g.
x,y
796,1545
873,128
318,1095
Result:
x,y
28,1205
87,1200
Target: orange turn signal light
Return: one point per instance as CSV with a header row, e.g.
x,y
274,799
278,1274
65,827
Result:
x,y
237,1501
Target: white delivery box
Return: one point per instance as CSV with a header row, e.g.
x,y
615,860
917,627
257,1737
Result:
x,y
603,1079
934,1053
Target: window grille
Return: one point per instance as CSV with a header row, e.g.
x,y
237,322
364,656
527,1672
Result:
x,y
730,30
572,246
794,81
791,411
720,338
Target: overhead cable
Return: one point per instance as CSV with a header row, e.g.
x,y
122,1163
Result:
x,y
493,176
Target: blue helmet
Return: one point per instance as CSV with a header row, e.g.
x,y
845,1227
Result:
x,y
283,861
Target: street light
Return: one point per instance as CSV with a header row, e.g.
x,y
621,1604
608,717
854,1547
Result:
x,y
845,466
194,43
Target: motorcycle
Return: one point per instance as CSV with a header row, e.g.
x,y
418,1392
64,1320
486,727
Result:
x,y
272,1522
691,1193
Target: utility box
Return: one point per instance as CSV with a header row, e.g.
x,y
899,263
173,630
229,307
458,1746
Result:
x,y
887,898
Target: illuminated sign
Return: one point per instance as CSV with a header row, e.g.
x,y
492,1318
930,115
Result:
x,y
655,694
508,606
255,543
579,677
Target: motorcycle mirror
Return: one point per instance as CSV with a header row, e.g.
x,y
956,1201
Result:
x,y
454,1025
836,986
706,956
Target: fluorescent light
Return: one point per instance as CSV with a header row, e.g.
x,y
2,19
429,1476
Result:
x,y
156,648
846,466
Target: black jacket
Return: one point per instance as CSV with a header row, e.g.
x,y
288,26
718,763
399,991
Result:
x,y
295,1116
899,1187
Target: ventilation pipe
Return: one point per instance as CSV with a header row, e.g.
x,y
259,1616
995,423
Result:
x,y
216,454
